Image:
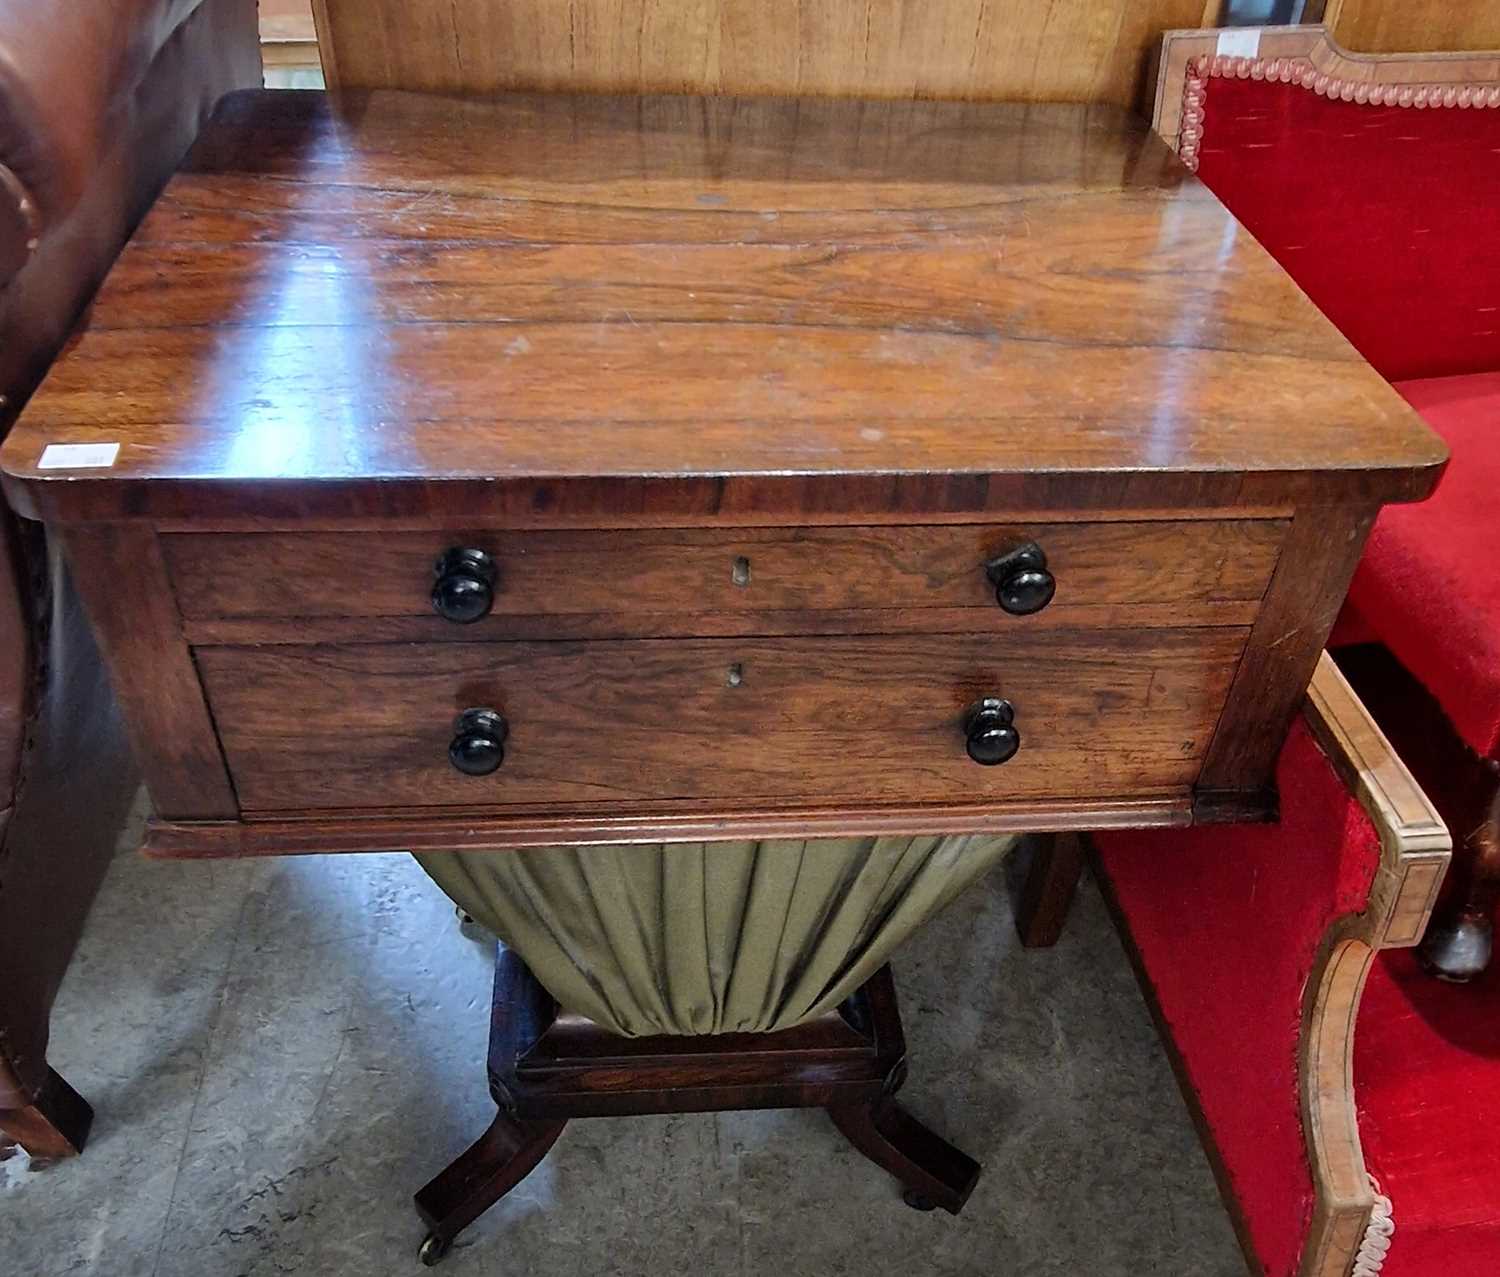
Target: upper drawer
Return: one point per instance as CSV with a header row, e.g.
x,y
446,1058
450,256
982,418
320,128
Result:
x,y
622,582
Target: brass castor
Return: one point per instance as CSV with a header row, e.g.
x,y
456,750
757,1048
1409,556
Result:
x,y
434,1250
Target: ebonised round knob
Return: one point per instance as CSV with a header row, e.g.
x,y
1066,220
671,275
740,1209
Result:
x,y
465,587
1021,580
991,731
478,746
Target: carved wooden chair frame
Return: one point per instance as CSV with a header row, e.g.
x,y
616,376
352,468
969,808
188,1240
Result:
x,y
1415,848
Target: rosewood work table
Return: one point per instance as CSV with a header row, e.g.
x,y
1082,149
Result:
x,y
447,475
755,466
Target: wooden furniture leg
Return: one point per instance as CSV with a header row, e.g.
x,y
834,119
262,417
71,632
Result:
x,y
1047,891
54,1126
488,1169
1461,939
932,1172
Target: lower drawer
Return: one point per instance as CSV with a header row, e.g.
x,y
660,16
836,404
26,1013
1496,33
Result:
x,y
821,721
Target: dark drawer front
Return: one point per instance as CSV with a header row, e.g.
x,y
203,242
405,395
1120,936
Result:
x,y
602,583
829,720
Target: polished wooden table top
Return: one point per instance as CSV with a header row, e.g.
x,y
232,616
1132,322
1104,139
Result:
x,y
601,308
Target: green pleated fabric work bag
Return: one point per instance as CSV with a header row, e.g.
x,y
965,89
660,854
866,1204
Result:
x,y
726,937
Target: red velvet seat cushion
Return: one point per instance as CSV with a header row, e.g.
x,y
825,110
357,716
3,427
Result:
x,y
1385,215
1427,1083
1429,584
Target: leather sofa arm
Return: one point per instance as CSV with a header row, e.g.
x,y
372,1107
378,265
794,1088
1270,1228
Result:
x,y
69,75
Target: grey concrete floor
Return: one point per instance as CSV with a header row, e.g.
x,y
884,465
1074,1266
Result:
x,y
280,1052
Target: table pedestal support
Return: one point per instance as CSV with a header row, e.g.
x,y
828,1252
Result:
x,y
547,1066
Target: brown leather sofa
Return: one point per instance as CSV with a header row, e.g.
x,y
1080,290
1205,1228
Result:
x,y
98,101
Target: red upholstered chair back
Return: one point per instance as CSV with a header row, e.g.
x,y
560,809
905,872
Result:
x,y
1387,216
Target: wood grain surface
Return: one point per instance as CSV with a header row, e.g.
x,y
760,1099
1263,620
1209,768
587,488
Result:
x,y
588,306
1022,50
121,577
1406,26
827,719
1116,574
1303,601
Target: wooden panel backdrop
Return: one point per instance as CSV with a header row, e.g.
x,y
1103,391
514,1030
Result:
x,y
1020,50
1412,26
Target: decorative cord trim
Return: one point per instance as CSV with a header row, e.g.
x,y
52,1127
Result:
x,y
1370,1258
1302,72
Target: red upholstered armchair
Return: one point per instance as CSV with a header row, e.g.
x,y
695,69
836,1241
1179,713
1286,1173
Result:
x,y
1376,183
98,101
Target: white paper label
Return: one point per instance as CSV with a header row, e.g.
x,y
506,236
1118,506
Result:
x,y
1239,42
78,456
